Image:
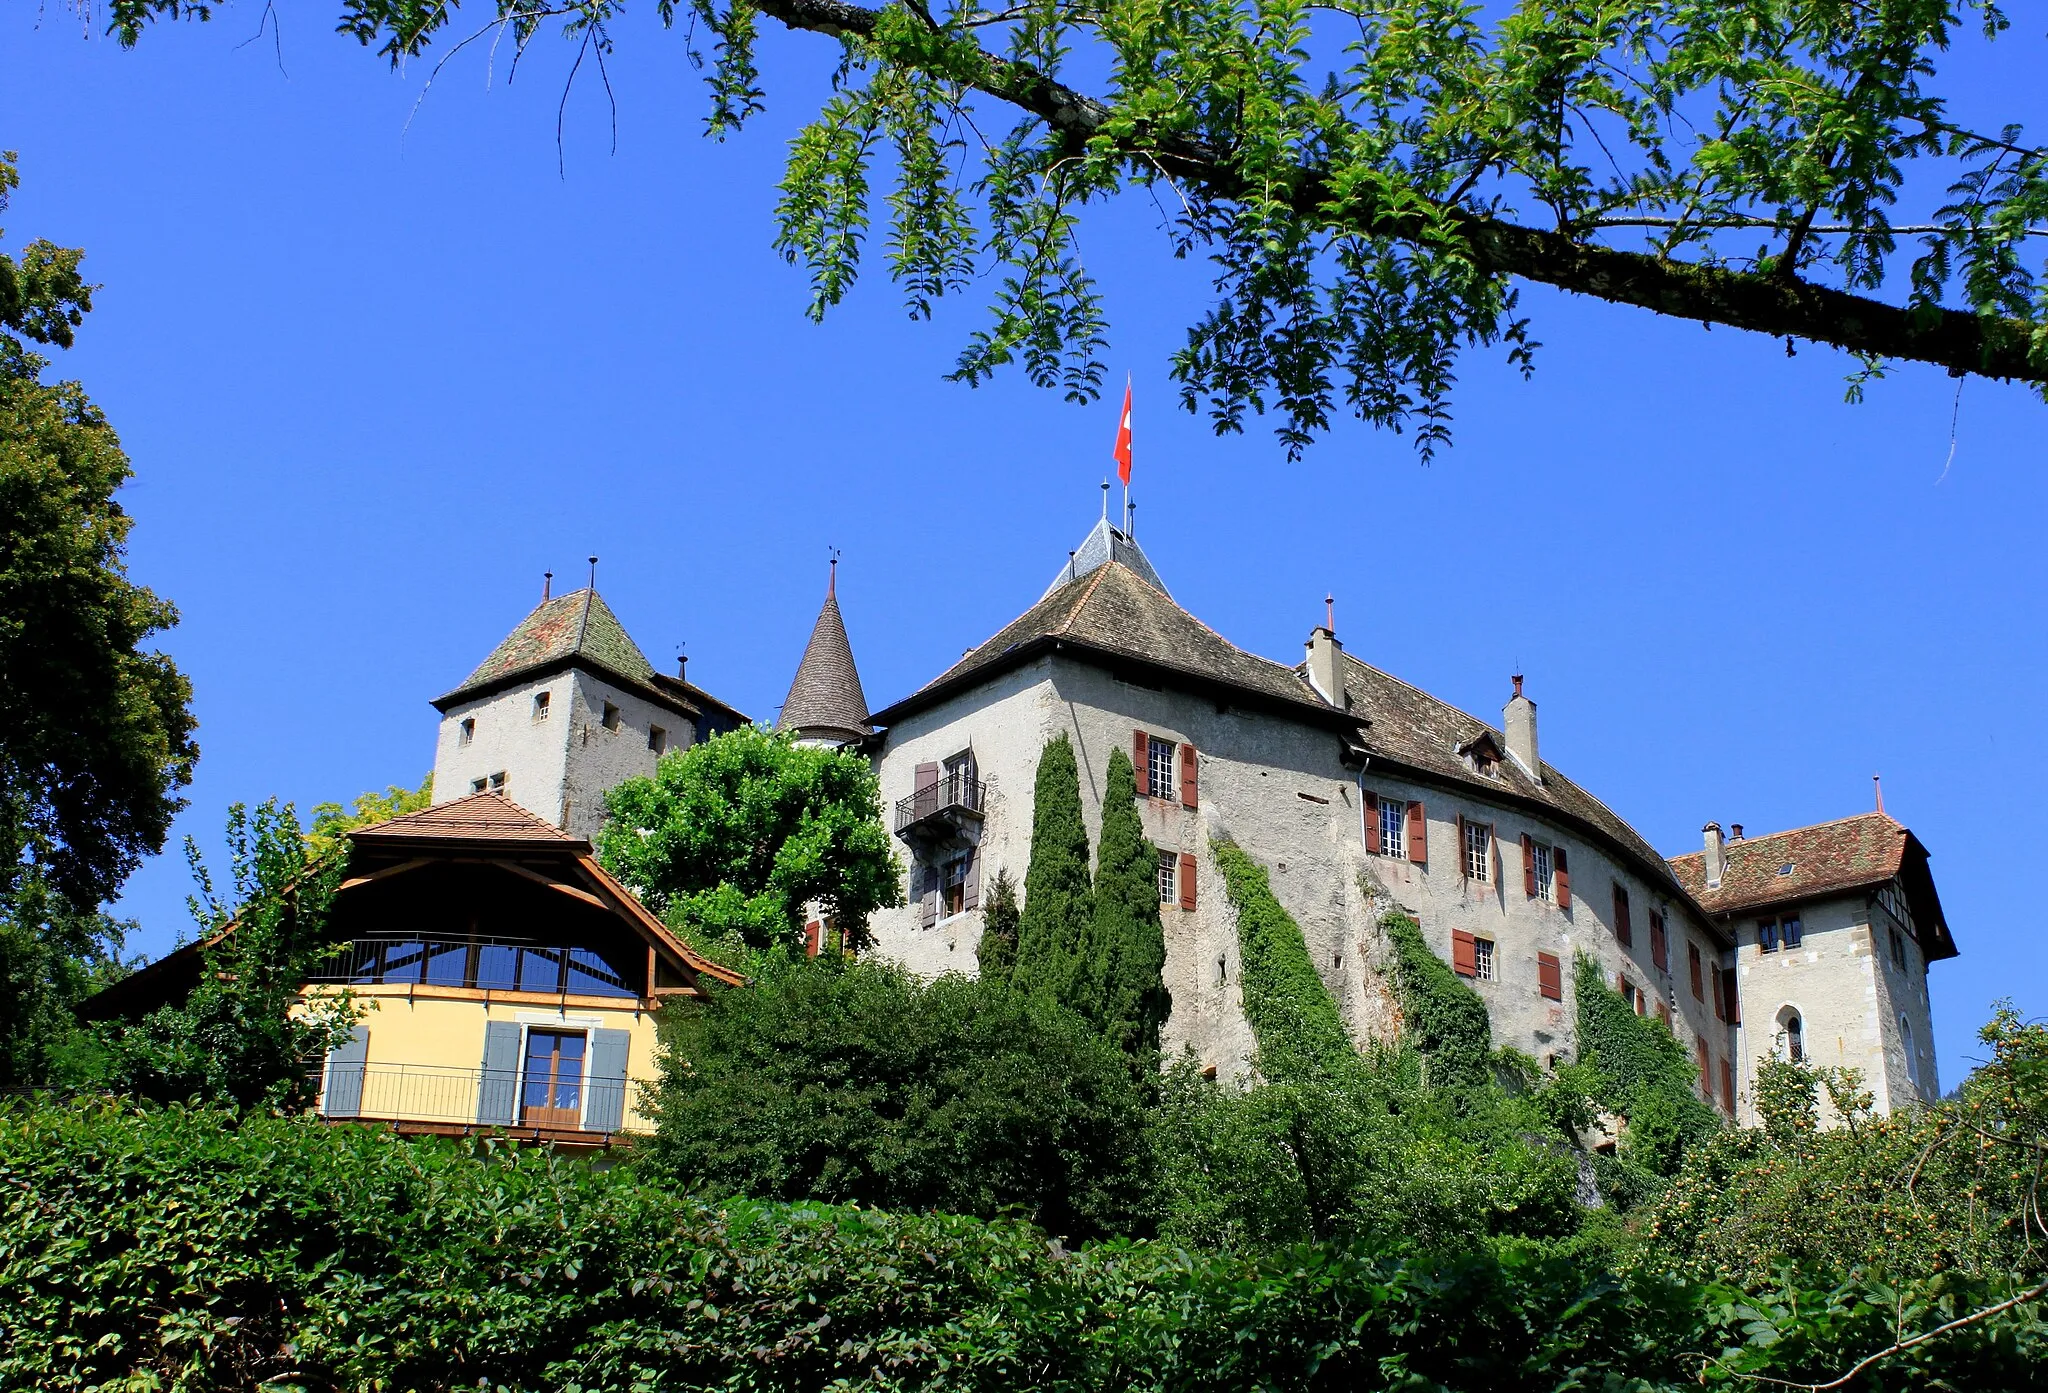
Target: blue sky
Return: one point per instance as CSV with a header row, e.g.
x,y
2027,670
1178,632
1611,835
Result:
x,y
380,363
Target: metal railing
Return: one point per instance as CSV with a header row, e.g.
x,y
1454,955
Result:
x,y
495,964
450,1096
956,792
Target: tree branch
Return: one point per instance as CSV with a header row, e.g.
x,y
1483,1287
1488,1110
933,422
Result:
x,y
1957,340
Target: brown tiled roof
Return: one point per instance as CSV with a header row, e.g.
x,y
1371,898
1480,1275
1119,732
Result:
x,y
1114,612
826,697
1408,726
577,625
477,817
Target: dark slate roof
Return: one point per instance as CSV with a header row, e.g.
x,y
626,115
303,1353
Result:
x,y
477,817
1116,614
1102,545
693,695
826,697
1408,726
576,626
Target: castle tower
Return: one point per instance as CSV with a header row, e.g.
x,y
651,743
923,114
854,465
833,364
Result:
x,y
563,709
826,705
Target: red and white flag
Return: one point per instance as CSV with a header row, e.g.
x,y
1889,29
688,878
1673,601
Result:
x,y
1123,439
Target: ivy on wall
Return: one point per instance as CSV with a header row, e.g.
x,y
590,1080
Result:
x,y
1639,1071
1442,1017
1301,1038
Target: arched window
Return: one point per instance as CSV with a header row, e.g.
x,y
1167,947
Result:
x,y
1795,1038
1912,1054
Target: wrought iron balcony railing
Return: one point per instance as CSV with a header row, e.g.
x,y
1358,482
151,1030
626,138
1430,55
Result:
x,y
954,796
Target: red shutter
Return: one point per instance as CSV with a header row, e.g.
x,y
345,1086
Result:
x,y
1660,942
814,936
1728,996
1699,1050
1464,954
1187,881
1189,776
1664,1014
1621,985
927,790
1720,1007
1418,834
1493,853
970,891
1141,761
1692,965
1560,878
1728,1087
1528,866
1464,861
1624,931
1550,976
1372,823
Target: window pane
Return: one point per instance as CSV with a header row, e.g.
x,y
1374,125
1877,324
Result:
x,y
1160,759
1393,827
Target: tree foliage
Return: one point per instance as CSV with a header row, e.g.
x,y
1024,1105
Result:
x,y
1056,955
856,1083
1127,935
1637,1069
731,839
1444,1019
996,953
242,1036
1371,181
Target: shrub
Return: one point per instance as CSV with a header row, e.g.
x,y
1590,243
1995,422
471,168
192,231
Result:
x,y
996,953
1056,956
855,1082
1127,933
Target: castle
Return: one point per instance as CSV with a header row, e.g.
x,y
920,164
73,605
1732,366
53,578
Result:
x,y
1359,792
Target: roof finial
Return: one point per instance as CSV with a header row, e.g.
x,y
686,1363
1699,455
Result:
x,y
832,575
1131,518
1879,783
1105,500
1330,613
1070,558
593,573
547,585
682,658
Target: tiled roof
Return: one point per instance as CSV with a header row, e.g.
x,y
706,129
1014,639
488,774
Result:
x,y
577,625
1115,611
1411,727
826,697
478,817
1101,546
1851,854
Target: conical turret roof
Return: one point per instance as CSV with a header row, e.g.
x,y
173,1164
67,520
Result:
x,y
825,701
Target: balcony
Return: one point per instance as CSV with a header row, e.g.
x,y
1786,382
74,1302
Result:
x,y
942,812
442,1100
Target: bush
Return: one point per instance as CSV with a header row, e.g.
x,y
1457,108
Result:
x,y
1127,934
855,1082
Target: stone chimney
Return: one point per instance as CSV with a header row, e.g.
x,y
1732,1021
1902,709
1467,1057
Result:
x,y
1736,832
1715,863
1518,719
1326,665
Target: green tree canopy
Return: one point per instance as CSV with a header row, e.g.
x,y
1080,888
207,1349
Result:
x,y
1372,180
997,951
1127,932
1055,934
731,839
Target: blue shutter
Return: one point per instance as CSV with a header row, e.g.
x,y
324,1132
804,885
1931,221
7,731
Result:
x,y
346,1064
607,1109
498,1087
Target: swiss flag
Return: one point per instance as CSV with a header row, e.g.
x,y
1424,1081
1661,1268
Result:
x,y
1123,440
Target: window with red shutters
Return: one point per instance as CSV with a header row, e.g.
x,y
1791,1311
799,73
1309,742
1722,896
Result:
x,y
1187,881
1734,1016
1660,942
1528,867
1550,976
1563,880
1372,823
1464,954
1664,1014
1624,931
1418,834
1692,965
1189,776
1728,1087
1720,1007
814,937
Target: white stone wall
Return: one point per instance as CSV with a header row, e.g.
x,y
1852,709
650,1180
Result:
x,y
1279,789
531,756
1849,997
569,758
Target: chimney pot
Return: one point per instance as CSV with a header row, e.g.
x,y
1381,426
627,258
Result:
x,y
1518,719
1715,862
1736,829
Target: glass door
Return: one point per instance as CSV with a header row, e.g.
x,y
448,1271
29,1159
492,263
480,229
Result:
x,y
553,1093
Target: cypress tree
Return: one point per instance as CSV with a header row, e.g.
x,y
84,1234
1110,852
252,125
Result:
x,y
1129,942
1056,928
997,952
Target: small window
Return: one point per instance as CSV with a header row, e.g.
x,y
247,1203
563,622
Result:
x,y
466,731
1393,828
1898,950
1660,941
1767,936
493,783
953,887
1478,850
1795,1039
540,706
1482,959
610,719
1222,969
1546,871
1790,929
1337,961
1169,863
657,739
1159,768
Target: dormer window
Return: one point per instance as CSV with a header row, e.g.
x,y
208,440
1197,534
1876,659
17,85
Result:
x,y
610,720
540,706
466,732
1481,755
